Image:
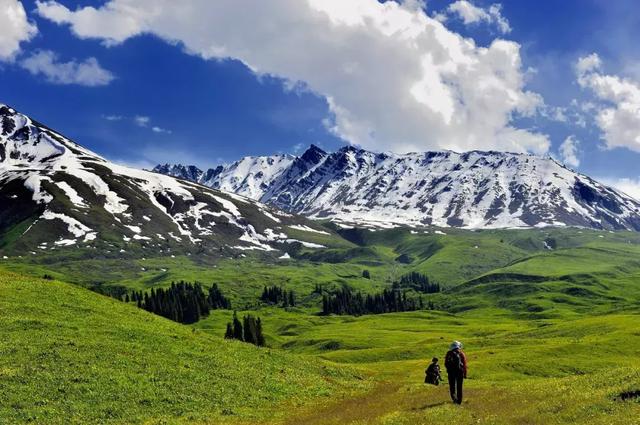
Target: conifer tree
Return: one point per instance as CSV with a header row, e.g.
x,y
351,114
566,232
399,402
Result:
x,y
259,336
237,328
249,326
229,333
216,299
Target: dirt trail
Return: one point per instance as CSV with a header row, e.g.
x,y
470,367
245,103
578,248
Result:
x,y
384,399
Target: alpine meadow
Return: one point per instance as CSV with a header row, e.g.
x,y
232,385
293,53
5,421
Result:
x,y
319,212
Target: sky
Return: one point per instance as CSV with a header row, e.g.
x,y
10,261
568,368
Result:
x,y
205,82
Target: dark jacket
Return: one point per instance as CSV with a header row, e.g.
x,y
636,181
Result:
x,y
463,358
432,374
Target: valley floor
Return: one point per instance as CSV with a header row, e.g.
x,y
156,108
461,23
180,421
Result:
x,y
564,372
73,356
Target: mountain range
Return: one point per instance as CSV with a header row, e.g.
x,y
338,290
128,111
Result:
x,y
443,188
56,194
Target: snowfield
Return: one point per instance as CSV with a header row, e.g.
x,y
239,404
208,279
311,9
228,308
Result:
x,y
444,189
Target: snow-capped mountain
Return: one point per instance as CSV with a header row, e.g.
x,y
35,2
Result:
x,y
55,193
472,189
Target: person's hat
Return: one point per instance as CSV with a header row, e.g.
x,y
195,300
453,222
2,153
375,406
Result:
x,y
455,345
434,360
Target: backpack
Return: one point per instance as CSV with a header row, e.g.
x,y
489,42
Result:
x,y
453,362
432,375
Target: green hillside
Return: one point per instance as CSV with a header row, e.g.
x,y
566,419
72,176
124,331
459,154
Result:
x,y
72,356
549,319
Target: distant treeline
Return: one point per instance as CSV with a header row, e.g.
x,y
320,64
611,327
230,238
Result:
x,y
419,282
182,302
249,330
345,301
277,295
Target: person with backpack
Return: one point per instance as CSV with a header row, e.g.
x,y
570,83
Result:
x,y
432,373
456,364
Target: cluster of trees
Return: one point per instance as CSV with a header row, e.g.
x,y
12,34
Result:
x,y
277,295
182,302
249,330
345,301
217,300
418,281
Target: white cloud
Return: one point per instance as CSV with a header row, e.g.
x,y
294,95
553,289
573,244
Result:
x,y
588,63
87,73
157,129
617,110
141,121
14,28
471,14
569,152
395,78
628,186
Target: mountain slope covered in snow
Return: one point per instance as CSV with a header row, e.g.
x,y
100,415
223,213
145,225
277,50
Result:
x,y
472,190
55,193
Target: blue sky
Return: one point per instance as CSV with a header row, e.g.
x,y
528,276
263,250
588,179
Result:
x,y
155,89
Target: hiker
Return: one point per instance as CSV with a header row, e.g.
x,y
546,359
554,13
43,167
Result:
x,y
432,373
456,364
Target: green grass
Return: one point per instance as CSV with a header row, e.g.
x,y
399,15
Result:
x,y
68,355
552,335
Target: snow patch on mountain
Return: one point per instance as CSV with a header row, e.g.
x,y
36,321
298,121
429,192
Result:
x,y
307,229
74,226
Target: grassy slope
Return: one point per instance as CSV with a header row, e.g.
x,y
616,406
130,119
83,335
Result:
x,y
72,356
552,336
449,259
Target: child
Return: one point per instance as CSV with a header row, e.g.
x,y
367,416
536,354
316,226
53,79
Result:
x,y
432,373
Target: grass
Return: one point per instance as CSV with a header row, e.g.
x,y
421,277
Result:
x,y
69,355
552,335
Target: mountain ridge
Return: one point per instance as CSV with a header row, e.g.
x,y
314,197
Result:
x,y
58,194
475,189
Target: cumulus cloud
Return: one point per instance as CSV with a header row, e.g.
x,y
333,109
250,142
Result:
x,y
14,28
394,78
87,73
471,14
617,106
569,152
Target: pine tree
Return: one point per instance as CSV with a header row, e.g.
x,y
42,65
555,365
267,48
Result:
x,y
259,336
237,328
250,329
216,299
182,302
229,333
